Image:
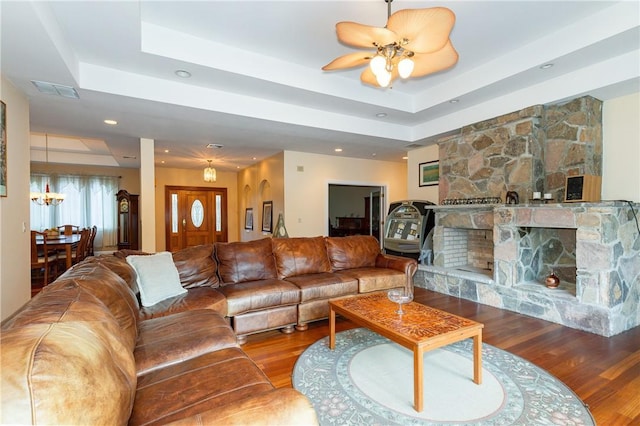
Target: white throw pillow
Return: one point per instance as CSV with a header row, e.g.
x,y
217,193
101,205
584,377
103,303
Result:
x,y
157,277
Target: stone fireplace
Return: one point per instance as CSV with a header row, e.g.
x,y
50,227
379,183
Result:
x,y
593,247
500,254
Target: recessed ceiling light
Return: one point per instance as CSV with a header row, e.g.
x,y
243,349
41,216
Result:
x,y
254,158
338,150
374,154
162,161
183,74
110,122
405,158
381,114
454,101
546,66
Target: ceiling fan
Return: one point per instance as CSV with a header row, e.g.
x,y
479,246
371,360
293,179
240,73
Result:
x,y
414,43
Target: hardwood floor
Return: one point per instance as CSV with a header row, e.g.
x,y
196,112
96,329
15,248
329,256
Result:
x,y
603,372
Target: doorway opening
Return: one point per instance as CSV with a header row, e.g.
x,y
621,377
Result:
x,y
356,210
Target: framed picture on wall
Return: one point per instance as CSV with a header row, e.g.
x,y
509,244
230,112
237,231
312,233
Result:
x,y
248,219
3,149
428,173
267,219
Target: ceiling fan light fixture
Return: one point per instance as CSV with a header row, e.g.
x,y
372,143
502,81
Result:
x,y
413,43
383,78
378,64
405,67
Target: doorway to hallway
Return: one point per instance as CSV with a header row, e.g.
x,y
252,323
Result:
x,y
356,210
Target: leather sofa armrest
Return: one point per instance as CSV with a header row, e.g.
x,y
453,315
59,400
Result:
x,y
282,406
403,264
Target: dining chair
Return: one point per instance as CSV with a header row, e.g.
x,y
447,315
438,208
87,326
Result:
x,y
92,237
80,251
68,229
42,258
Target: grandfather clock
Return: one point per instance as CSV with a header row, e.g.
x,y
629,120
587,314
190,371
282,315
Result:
x,y
127,220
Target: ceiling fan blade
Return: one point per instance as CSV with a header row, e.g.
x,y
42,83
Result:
x,y
359,35
428,63
426,29
349,60
368,77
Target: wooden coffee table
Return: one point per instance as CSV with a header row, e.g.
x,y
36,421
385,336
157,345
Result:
x,y
419,329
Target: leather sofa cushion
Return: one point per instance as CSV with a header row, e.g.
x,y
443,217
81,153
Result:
x,y
223,377
374,279
282,406
324,286
172,339
110,289
197,266
355,251
300,256
254,295
245,261
119,266
195,298
73,369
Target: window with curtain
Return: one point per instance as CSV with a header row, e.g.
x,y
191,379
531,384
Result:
x,y
90,200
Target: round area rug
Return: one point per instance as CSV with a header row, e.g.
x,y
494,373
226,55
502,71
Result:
x,y
368,380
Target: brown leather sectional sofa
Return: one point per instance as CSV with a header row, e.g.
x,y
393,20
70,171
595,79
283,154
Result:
x,y
282,282
83,351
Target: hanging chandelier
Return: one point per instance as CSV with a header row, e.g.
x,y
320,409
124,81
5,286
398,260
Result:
x,y
209,173
46,198
414,43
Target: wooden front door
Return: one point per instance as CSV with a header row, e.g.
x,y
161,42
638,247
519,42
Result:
x,y
195,216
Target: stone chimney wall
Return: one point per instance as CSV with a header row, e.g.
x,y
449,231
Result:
x,y
573,143
533,149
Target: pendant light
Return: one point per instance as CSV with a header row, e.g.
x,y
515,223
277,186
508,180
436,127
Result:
x,y
209,173
46,198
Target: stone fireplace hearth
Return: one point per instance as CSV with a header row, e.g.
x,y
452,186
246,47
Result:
x,y
593,247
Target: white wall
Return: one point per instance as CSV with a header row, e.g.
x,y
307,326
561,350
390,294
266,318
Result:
x,y
621,148
414,191
306,194
15,283
264,181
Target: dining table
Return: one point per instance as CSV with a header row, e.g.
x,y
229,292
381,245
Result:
x,y
61,242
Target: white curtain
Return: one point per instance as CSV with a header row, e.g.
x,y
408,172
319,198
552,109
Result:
x,y
90,200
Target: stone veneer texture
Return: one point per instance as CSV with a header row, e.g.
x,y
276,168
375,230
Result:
x,y
533,149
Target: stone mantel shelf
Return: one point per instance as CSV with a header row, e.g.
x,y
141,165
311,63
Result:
x,y
465,207
535,204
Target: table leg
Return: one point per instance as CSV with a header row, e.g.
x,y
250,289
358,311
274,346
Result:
x,y
477,357
332,328
418,375
67,248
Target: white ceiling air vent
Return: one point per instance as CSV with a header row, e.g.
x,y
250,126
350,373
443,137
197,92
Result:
x,y
56,89
214,145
